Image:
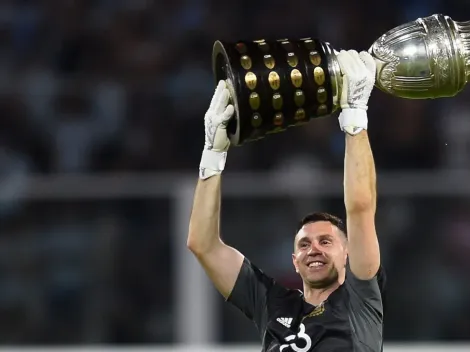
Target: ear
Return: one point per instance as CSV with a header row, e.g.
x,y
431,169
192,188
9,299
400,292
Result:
x,y
294,261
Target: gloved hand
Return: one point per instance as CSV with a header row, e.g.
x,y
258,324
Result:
x,y
358,71
217,143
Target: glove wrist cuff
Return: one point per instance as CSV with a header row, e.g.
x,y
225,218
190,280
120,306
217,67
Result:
x,y
353,121
354,106
212,163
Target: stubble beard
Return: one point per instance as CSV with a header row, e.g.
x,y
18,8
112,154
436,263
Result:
x,y
326,281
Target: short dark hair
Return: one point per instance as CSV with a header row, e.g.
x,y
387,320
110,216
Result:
x,y
322,216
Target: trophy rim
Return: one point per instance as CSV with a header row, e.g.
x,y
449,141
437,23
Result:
x,y
335,75
218,50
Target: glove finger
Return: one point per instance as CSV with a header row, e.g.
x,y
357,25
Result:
x,y
228,113
223,101
356,62
368,61
344,92
344,61
216,97
345,82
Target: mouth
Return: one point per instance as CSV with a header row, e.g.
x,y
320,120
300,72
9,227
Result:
x,y
316,264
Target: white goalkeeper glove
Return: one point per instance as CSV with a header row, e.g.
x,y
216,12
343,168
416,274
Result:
x,y
217,142
358,71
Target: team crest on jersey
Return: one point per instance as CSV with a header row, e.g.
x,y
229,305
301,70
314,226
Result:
x,y
319,310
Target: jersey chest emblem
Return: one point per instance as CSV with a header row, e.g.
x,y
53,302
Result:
x,y
319,310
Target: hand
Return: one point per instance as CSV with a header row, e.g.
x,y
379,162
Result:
x,y
358,81
216,120
216,142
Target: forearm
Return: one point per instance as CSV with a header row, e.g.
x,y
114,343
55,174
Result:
x,y
205,216
360,202
359,175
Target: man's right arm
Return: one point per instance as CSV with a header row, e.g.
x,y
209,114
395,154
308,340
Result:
x,y
239,281
221,262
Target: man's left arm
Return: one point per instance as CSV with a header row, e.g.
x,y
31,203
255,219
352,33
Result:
x,y
364,279
359,169
360,202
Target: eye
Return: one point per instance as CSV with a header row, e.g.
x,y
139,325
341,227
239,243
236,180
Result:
x,y
325,242
303,245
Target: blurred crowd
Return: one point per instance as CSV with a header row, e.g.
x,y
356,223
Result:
x,y
122,85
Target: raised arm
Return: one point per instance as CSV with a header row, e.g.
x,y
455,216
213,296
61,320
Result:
x,y
222,263
359,169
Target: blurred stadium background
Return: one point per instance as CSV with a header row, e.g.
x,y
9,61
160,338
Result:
x,y
101,131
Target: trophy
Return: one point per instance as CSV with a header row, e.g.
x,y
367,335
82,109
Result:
x,y
275,84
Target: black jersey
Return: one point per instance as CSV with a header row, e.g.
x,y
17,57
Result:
x,y
350,320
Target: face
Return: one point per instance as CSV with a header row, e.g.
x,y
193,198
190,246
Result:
x,y
320,254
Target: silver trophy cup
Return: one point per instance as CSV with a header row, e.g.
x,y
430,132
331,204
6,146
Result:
x,y
426,58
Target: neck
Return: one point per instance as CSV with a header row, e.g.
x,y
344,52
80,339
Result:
x,y
316,296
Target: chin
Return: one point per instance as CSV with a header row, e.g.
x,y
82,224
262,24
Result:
x,y
323,281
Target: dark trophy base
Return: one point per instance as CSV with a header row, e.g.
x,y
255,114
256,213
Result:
x,y
274,84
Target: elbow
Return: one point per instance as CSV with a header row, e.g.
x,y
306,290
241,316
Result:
x,y
367,271
359,199
195,249
359,206
194,240
191,244
199,247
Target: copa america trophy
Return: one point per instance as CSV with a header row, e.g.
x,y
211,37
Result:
x,y
281,83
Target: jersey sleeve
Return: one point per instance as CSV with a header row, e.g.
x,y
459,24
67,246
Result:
x,y
366,307
250,293
367,295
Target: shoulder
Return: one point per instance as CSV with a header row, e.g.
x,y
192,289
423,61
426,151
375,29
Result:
x,y
276,292
366,294
378,281
366,290
253,279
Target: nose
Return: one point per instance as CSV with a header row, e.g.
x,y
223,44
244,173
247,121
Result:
x,y
314,249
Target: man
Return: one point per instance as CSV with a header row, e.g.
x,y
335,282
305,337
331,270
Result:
x,y
340,308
